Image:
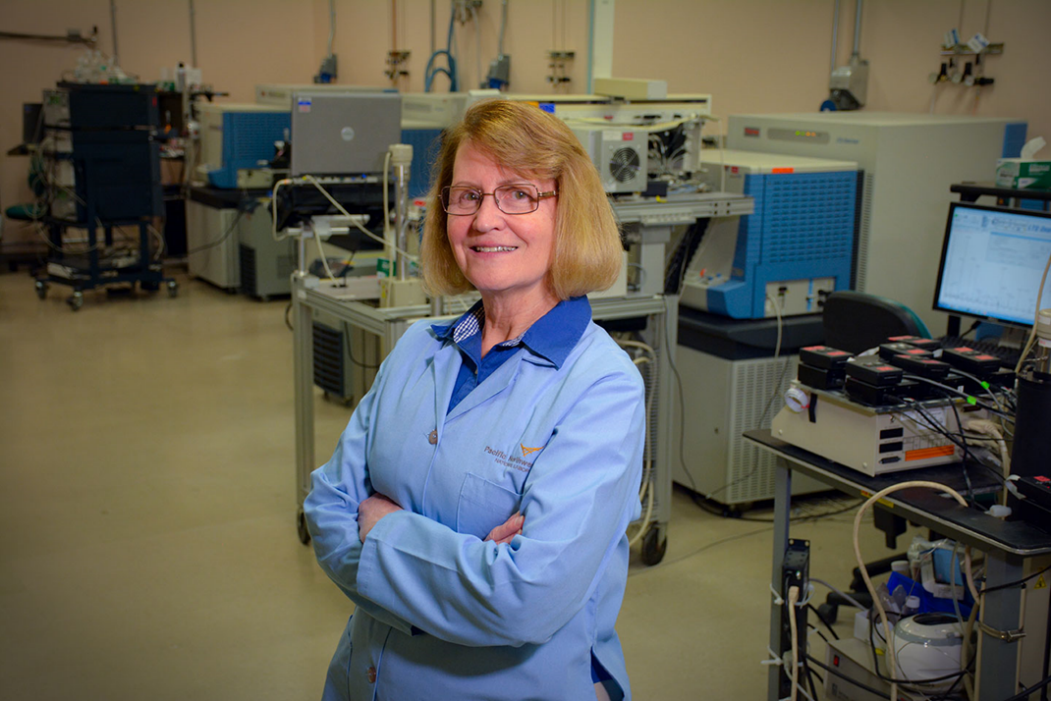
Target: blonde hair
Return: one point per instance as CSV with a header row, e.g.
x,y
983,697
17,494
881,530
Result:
x,y
529,141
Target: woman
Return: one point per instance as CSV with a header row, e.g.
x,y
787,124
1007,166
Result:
x,y
476,505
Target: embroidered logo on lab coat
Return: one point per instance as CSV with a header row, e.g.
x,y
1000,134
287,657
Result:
x,y
512,461
529,451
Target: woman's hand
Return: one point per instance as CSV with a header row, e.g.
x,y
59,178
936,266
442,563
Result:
x,y
507,530
371,511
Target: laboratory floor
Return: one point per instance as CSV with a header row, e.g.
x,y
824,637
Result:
x,y
148,548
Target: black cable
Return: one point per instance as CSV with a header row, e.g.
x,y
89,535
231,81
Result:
x,y
836,672
1031,690
948,693
777,388
702,502
810,679
967,455
971,328
956,438
288,322
819,633
350,352
946,388
1018,583
221,239
682,403
823,621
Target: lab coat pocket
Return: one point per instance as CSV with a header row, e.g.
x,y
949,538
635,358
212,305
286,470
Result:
x,y
484,505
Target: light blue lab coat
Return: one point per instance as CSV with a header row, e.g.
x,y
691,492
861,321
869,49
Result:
x,y
441,614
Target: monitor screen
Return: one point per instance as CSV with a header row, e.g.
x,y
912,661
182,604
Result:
x,y
992,261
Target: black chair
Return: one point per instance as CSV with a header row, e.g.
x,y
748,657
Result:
x,y
855,322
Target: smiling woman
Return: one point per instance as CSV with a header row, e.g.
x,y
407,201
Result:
x,y
476,505
530,146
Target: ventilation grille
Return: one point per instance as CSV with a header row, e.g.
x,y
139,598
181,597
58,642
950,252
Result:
x,y
285,266
250,136
328,359
624,165
751,470
866,229
249,285
426,143
808,217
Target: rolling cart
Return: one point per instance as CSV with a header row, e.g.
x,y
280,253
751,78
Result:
x,y
104,137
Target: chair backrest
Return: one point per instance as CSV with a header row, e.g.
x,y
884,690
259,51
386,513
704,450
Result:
x,y
855,321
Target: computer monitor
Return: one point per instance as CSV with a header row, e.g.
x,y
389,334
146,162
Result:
x,y
343,133
992,261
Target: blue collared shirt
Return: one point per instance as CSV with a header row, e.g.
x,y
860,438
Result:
x,y
551,336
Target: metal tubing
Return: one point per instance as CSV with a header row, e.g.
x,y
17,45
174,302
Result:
x,y
193,36
113,23
782,508
857,29
302,361
401,197
835,32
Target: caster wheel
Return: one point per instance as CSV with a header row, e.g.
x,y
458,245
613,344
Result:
x,y
173,288
654,546
41,289
301,528
76,301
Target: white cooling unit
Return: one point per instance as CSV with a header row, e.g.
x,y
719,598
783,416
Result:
x,y
619,154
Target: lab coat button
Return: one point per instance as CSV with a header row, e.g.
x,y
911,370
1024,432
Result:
x,y
372,675
433,438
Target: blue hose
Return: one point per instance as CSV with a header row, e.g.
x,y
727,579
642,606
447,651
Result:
x,y
430,71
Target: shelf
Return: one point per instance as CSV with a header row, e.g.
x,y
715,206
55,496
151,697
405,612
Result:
x,y
965,50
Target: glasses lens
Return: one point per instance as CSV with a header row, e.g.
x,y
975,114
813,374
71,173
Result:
x,y
517,199
461,200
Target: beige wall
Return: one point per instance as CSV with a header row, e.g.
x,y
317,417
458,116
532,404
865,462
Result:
x,y
751,55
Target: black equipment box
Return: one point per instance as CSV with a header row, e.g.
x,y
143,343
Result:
x,y
889,350
95,106
872,395
924,366
927,344
120,171
823,357
1035,509
972,361
819,378
874,371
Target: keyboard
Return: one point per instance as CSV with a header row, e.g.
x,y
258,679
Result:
x,y
1008,355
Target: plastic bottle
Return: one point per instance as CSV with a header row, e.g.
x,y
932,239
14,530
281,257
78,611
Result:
x,y
911,607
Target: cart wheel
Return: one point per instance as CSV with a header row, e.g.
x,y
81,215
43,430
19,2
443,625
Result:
x,y
173,288
41,289
76,301
654,545
301,528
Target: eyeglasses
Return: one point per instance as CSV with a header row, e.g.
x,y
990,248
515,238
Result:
x,y
510,199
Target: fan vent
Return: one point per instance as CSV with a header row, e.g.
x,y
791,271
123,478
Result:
x,y
624,165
